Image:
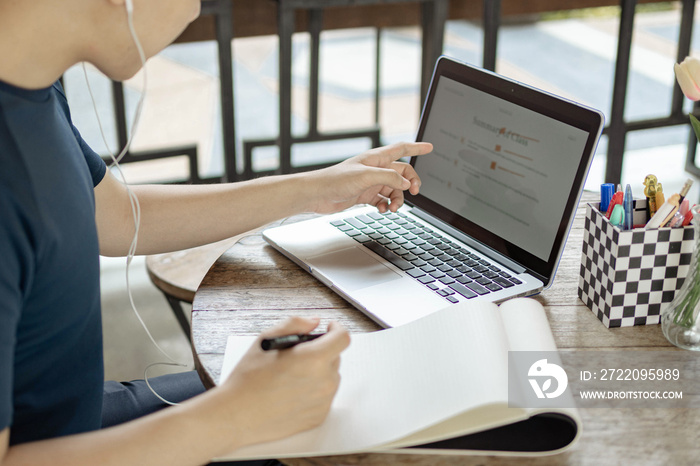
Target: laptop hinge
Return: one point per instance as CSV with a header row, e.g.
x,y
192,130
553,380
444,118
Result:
x,y
485,250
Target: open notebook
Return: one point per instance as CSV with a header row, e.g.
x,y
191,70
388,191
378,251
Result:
x,y
498,195
437,385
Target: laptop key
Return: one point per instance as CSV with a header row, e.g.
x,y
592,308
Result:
x,y
483,281
476,288
415,273
503,282
356,223
493,287
463,290
452,299
426,279
399,262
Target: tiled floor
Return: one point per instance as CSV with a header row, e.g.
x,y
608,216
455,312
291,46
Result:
x,y
571,57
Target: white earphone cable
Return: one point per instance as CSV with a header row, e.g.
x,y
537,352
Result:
x,y
133,199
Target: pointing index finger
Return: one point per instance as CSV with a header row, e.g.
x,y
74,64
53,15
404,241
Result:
x,y
403,149
411,149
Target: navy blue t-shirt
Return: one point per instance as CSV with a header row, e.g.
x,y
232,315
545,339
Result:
x,y
51,373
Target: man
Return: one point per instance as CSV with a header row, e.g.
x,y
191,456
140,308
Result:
x,y
60,208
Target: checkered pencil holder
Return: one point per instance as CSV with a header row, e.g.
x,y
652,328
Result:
x,y
629,276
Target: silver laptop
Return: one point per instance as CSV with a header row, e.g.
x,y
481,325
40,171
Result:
x,y
499,192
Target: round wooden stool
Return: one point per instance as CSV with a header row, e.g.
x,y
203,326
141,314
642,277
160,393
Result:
x,y
178,274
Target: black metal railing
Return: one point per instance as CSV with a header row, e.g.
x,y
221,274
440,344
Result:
x,y
618,128
221,10
434,15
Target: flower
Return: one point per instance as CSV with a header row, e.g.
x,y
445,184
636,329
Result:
x,y
688,77
686,304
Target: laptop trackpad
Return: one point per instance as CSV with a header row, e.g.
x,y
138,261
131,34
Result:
x,y
352,268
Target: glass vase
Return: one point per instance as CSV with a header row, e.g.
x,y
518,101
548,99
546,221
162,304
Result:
x,y
679,320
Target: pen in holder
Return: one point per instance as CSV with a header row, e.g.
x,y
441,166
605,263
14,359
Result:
x,y
628,276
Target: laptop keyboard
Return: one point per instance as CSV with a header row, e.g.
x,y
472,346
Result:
x,y
430,258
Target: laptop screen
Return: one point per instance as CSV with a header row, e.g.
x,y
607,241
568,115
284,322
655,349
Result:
x,y
508,162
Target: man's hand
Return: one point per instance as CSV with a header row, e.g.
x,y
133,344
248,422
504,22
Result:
x,y
375,177
275,394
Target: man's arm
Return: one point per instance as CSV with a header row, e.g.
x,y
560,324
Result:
x,y
4,442
270,395
180,217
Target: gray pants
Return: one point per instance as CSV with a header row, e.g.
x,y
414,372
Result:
x,y
126,401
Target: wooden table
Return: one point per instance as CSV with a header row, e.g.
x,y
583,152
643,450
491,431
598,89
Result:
x,y
252,286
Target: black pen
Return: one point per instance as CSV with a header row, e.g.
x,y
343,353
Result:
x,y
287,341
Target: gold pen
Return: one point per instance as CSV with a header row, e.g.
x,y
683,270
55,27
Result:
x,y
660,199
650,193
